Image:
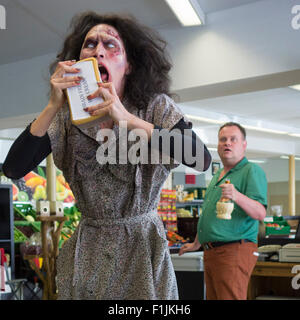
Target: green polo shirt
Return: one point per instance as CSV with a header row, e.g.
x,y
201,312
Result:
x,y
249,179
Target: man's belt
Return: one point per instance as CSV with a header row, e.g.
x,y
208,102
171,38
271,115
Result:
x,y
211,245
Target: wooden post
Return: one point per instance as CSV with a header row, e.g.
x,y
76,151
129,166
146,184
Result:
x,y
292,186
51,178
50,234
50,241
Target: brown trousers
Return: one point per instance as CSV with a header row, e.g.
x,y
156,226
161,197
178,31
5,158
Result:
x,y
227,270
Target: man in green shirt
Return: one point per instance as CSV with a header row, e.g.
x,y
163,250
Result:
x,y
230,246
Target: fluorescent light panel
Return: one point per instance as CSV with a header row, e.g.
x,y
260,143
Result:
x,y
264,129
209,120
257,161
295,87
220,122
296,135
286,157
188,12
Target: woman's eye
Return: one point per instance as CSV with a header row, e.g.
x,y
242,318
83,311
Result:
x,y
110,45
90,44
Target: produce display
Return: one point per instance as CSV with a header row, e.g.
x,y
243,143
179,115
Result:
x,y
175,240
19,236
183,213
25,224
33,187
276,225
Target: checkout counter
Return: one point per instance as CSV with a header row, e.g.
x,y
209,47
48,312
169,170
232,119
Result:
x,y
189,271
278,266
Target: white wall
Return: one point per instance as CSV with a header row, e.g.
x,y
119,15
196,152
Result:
x,y
24,86
246,41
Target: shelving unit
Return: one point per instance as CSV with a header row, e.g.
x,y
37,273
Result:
x,y
7,224
187,227
191,204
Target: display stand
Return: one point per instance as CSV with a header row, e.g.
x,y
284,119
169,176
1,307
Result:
x,y
50,248
50,252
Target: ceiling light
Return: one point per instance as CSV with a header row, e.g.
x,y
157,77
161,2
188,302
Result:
x,y
188,12
212,149
296,135
264,129
257,161
221,122
286,157
203,119
295,87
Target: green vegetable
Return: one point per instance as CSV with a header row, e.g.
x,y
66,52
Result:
x,y
22,196
41,172
19,236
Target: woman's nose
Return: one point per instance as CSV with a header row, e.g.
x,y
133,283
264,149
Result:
x,y
99,51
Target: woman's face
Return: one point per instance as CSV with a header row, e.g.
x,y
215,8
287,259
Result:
x,y
104,43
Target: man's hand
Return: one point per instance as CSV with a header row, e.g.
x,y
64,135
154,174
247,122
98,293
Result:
x,y
228,191
189,247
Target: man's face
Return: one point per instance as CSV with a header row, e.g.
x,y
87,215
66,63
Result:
x,y
232,145
104,43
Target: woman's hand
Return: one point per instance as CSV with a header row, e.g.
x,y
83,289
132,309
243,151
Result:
x,y
59,82
111,106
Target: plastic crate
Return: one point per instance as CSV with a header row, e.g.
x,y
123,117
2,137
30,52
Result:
x,y
284,227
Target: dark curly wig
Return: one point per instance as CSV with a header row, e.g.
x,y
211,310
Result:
x,y
145,50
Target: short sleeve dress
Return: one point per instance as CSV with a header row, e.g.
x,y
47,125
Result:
x,y
119,250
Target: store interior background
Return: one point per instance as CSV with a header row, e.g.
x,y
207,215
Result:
x,y
238,67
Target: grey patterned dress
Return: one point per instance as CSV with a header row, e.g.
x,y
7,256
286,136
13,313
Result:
x,y
119,250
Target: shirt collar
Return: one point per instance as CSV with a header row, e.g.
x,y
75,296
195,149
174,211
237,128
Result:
x,y
238,166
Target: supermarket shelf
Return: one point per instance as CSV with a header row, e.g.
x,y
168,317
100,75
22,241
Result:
x,y
189,203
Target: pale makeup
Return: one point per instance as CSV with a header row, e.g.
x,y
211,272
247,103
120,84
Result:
x,y
104,43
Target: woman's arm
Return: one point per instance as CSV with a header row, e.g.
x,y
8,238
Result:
x,y
33,145
25,154
190,142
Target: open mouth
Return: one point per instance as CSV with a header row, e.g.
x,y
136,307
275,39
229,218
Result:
x,y
103,73
227,150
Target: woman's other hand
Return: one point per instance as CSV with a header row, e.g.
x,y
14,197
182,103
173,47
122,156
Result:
x,y
111,106
59,82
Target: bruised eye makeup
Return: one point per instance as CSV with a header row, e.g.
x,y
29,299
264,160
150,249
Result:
x,y
108,44
89,43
